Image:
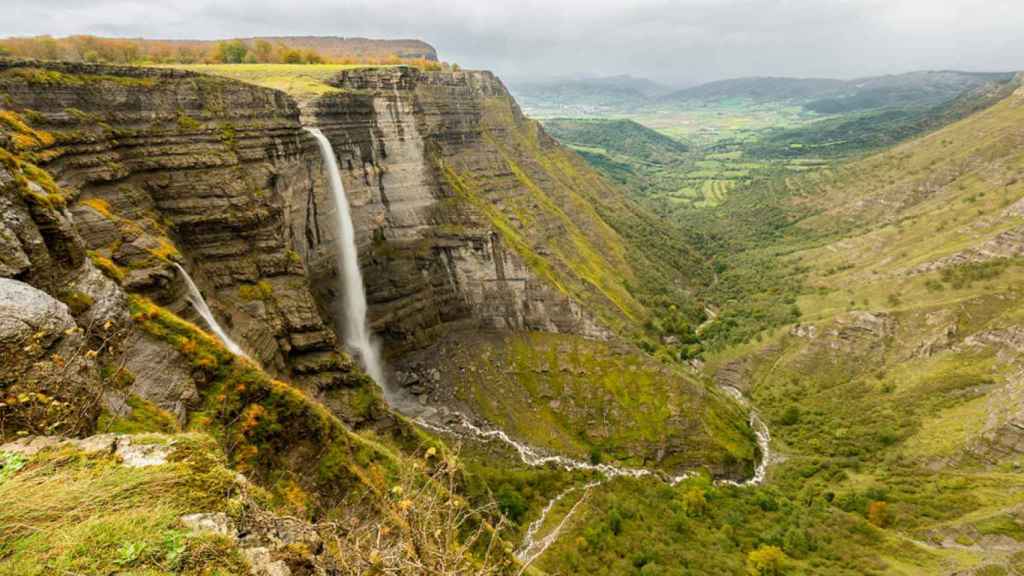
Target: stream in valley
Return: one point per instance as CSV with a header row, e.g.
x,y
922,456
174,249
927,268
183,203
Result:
x,y
355,331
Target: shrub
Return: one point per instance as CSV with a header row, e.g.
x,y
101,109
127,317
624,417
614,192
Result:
x,y
765,561
878,513
511,503
261,290
791,416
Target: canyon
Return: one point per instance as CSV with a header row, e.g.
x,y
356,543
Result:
x,y
499,292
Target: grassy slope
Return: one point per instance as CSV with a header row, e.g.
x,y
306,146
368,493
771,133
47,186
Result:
x,y
890,415
64,511
587,239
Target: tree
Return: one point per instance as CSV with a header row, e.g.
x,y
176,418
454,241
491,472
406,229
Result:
x,y
765,561
791,416
311,57
695,502
292,57
511,503
264,51
231,51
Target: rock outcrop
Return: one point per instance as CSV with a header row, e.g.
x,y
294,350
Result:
x,y
163,166
433,187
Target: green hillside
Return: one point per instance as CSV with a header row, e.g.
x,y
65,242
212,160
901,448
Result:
x,y
894,401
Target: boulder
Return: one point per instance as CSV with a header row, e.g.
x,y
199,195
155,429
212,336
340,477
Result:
x,y
161,374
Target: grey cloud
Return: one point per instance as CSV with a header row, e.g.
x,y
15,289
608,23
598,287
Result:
x,y
670,40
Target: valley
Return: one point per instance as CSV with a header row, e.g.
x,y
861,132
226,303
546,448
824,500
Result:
x,y
370,316
749,128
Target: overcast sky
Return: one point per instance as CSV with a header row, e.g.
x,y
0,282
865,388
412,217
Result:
x,y
675,41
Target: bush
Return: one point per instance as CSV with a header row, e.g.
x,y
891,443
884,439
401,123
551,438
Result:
x,y
231,52
511,503
791,416
765,561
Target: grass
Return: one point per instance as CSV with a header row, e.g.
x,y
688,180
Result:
x,y
299,80
100,517
590,400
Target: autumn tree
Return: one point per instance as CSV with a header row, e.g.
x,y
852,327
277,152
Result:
x,y
263,50
765,561
231,51
878,513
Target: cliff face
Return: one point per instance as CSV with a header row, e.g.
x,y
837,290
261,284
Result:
x,y
161,165
469,218
460,226
473,226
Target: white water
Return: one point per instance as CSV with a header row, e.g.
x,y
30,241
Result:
x,y
532,547
351,292
764,440
195,297
535,459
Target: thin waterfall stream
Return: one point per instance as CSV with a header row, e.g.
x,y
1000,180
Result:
x,y
351,291
357,336
195,297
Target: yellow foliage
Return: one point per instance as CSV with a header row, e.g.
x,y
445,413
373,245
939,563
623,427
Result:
x,y
765,561
100,205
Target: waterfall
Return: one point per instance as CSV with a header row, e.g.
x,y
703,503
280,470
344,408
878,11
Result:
x,y
351,291
195,297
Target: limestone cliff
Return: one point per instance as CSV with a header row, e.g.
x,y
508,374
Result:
x,y
161,165
437,253
473,226
469,218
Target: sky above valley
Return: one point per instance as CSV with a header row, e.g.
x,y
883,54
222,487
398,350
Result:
x,y
677,42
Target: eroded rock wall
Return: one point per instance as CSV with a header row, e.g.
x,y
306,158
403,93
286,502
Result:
x,y
432,261
161,166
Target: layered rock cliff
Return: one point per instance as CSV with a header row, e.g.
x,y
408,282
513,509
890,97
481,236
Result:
x,y
469,218
409,142
160,166
474,226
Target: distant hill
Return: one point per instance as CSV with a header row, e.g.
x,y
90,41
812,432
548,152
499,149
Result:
x,y
758,88
831,96
646,162
586,96
616,136
915,88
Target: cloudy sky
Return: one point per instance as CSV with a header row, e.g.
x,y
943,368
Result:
x,y
675,41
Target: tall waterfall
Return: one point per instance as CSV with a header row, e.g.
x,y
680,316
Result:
x,y
350,279
195,297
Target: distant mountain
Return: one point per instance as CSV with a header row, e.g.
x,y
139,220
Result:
x,y
758,88
914,88
587,95
831,96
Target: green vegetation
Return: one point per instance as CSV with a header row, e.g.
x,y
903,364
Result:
x,y
261,290
886,404
549,390
100,517
296,79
